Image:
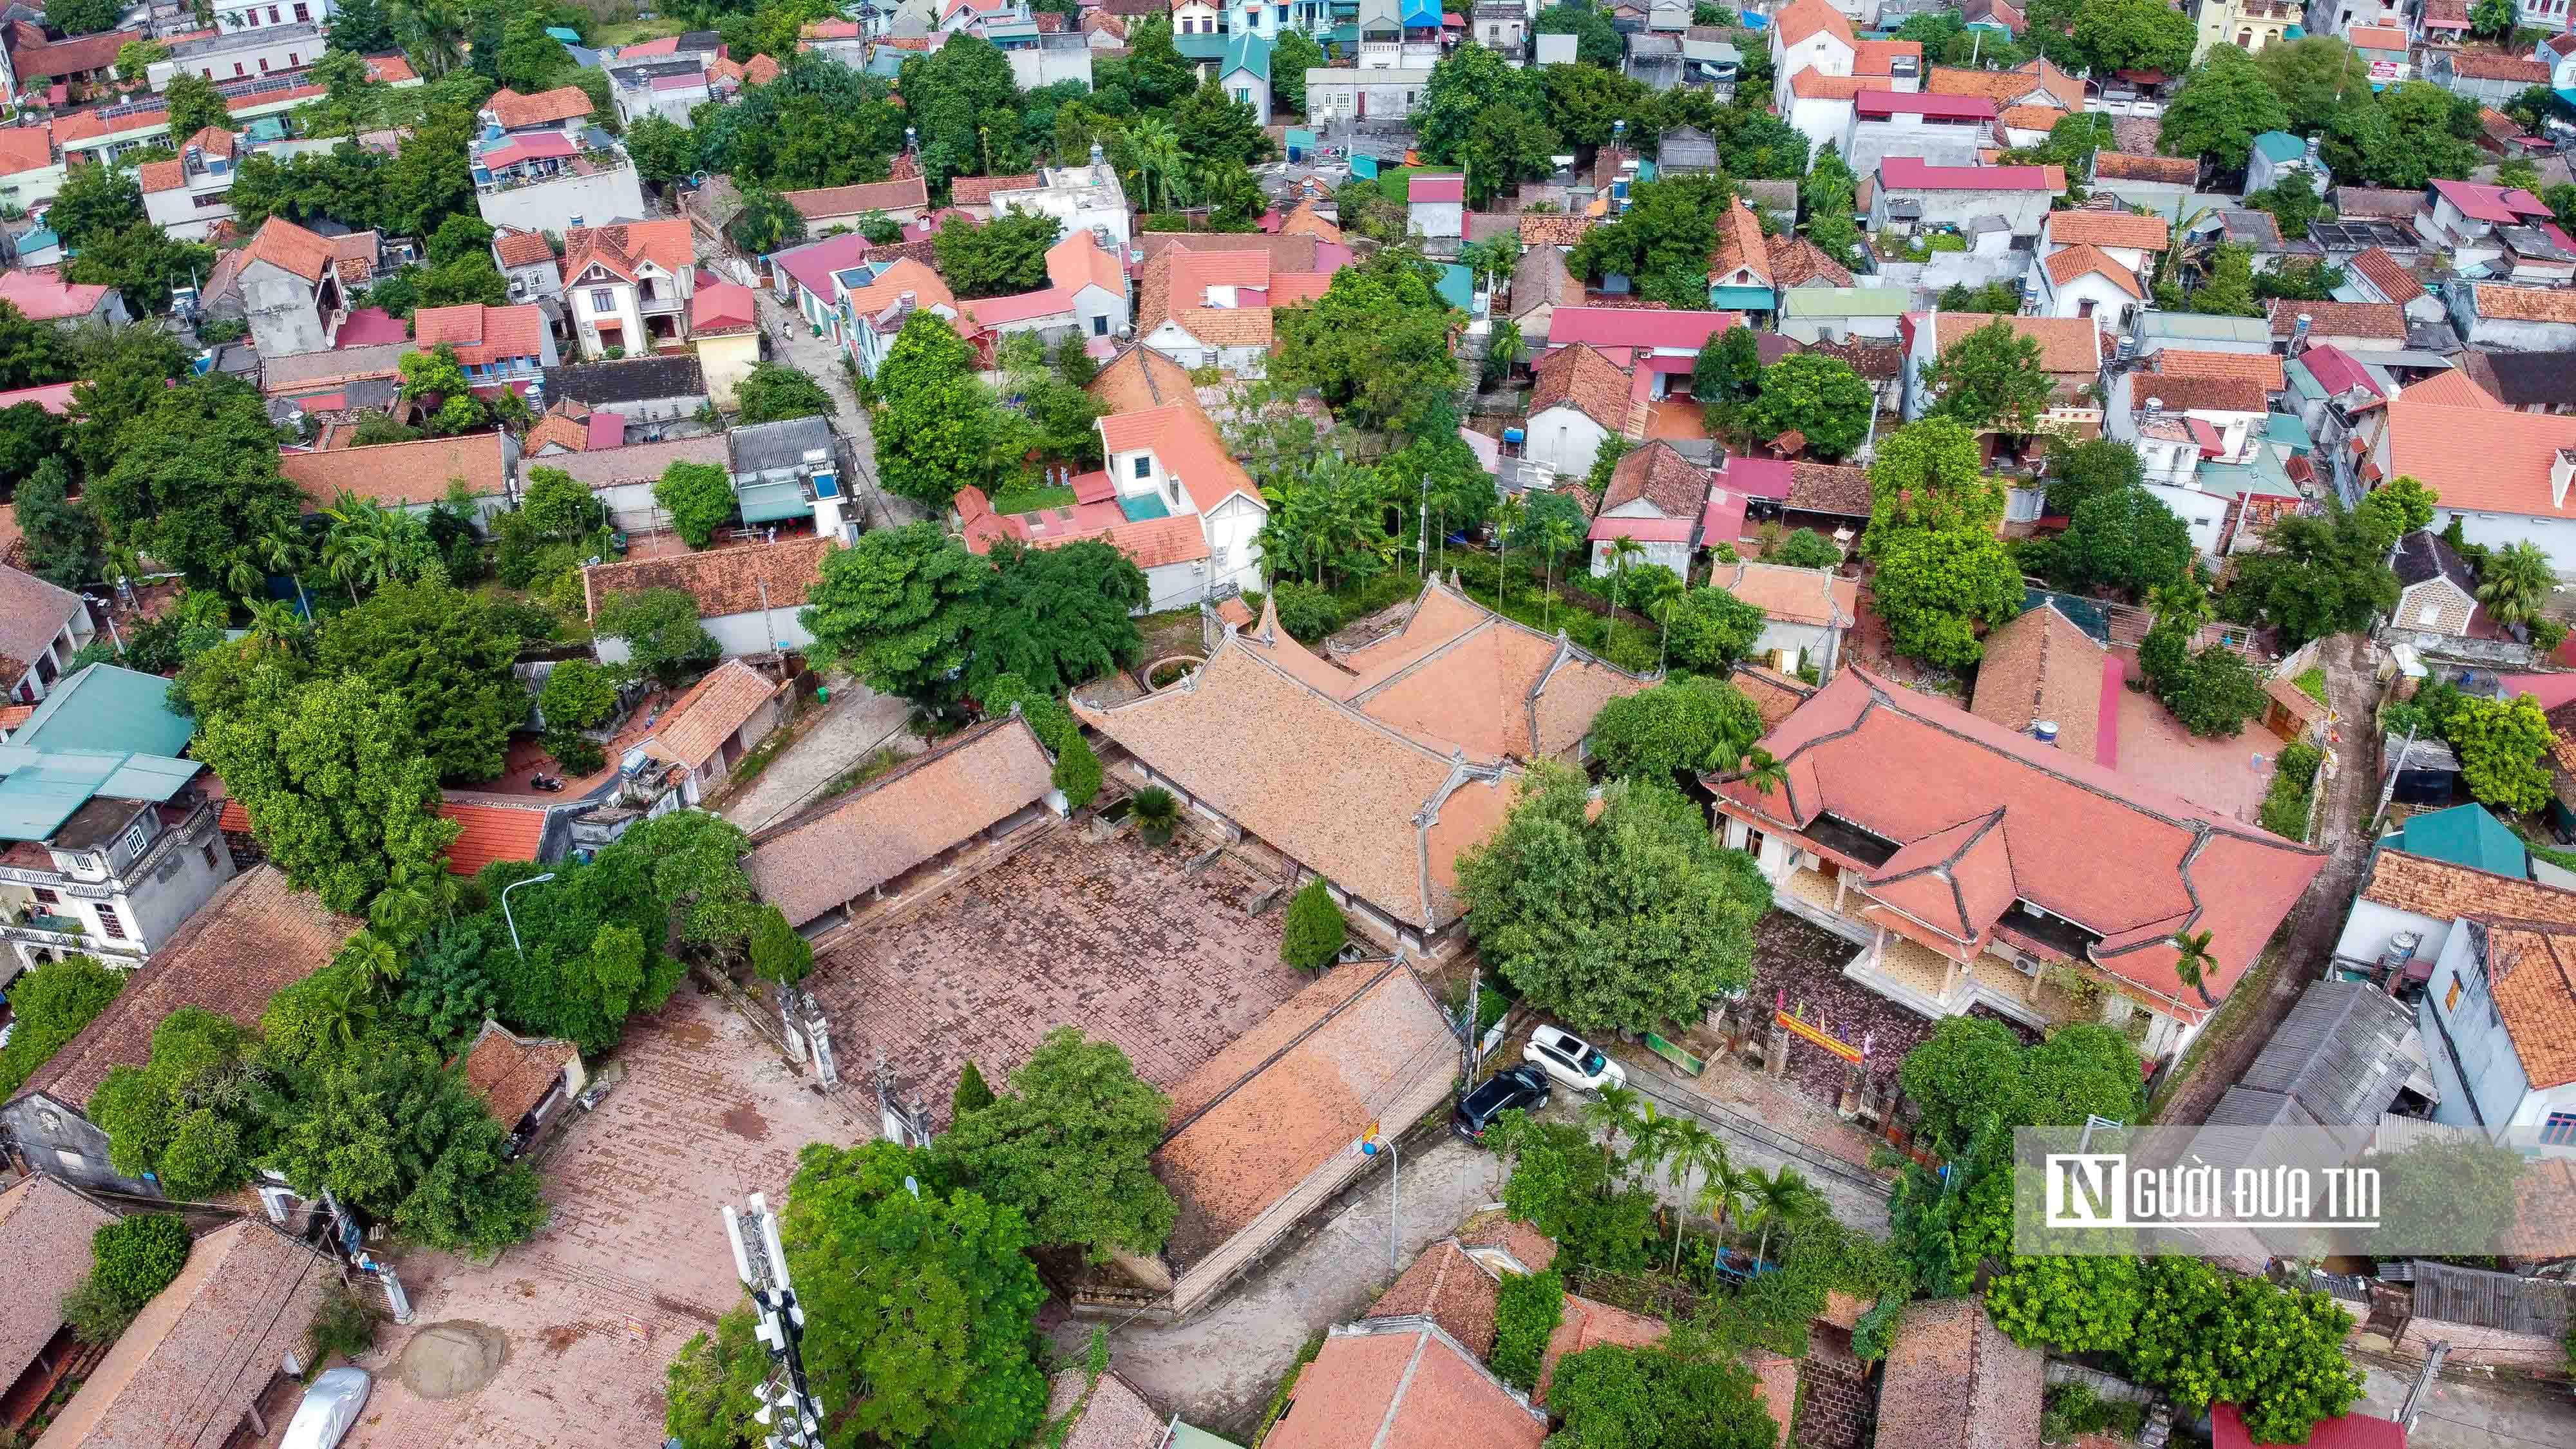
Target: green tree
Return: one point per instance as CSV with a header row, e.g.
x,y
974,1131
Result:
x,y
1376,344
1930,475
1619,919
49,1004
318,1020
2222,105
340,792
134,1258
1727,374
1661,240
2503,747
1992,378
2390,511
1690,726
660,627
446,994
2315,575
777,952
194,483
1077,772
1071,1146
2516,581
774,392
33,353
1804,548
921,1309
390,1133
2214,692
2116,35
2126,540
195,105
2088,469
1004,256
1596,43
1315,930
711,1389
142,262
1058,617
663,150
937,419
898,609
1710,629
441,656
362,27
65,545
2412,134
1938,589
1687,1393
94,201
971,1094
1820,397
699,498
188,1113
1213,126
2458,1190
1295,54
577,695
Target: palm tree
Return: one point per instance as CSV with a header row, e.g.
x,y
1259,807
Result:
x,y
1558,536
1660,603
281,551
434,33
1779,1200
1689,1148
1613,1113
1507,516
2516,583
1651,1142
274,625
1622,549
1722,1194
1505,348
2193,963
1759,769
372,958
1158,157
243,577
1156,813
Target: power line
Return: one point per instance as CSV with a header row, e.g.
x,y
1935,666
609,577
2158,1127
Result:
x,y
251,1345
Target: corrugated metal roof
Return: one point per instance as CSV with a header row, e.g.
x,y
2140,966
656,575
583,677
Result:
x,y
44,787
2502,1301
2339,1052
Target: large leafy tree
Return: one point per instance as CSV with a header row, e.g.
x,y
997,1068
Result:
x,y
1689,726
441,656
1003,256
1059,616
774,392
819,124
2315,575
64,542
390,1133
965,108
1213,126
1376,344
1596,43
1939,589
32,353
2504,750
362,27
1819,397
1709,628
1686,1393
1662,240
2223,104
94,201
937,420
1992,378
142,262
589,949
920,1309
195,104
340,792
1930,475
2410,134
2126,539
1488,114
699,497
191,1115
2316,76
2089,468
1617,918
2115,35
660,627
1727,374
1071,1146
195,482
899,608
49,1004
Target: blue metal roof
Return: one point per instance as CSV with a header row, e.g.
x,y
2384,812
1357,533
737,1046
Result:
x,y
108,707
2280,145
43,788
1419,13
1246,51
2463,835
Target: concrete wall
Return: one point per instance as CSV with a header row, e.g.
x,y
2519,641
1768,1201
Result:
x,y
1565,440
2556,536
1044,65
2023,210
2506,335
55,1136
551,205
280,309
1340,94
1870,142
726,361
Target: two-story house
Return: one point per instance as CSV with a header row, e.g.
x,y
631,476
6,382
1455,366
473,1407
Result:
x,y
540,165
1214,308
42,626
790,469
528,262
497,346
1971,865
251,53
107,850
1820,66
871,301
1399,34
1654,503
2249,25
1085,297
2460,219
186,195
629,284
290,287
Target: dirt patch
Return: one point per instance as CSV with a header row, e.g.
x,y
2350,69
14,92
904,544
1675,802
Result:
x,y
452,1359
561,1337
746,1123
692,1031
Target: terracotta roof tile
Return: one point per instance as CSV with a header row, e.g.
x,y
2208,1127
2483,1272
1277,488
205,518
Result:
x,y
513,1073
1493,1228
2507,472
2030,118
491,831
1460,676
481,335
1796,261
2122,166
45,1230
1449,1288
2069,345
1583,378
2387,274
725,581
254,938
978,190
1676,486
2259,367
2003,87
2185,393
2531,968
1775,696
32,612
1306,221
1740,245
1954,1381
414,472
619,249
2454,388
2384,320
1833,488
2519,304
2069,262
849,845
517,112
246,1296
715,708
1543,229
281,243
2489,65
1586,1324
2042,667
1801,596
2443,891
1259,1117
2545,1224
1804,18
1417,1388
1139,379
2119,858
1114,1415
911,193
1812,84
522,248
2109,229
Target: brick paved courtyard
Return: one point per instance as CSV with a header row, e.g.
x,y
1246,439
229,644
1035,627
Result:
x,y
634,1260
1113,938
1807,961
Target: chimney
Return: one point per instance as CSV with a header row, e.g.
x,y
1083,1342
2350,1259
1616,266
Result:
x,y
2299,333
2562,468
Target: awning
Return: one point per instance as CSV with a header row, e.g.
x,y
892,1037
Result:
x,y
771,502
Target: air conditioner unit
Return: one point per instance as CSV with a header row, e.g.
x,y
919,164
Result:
x,y
2028,965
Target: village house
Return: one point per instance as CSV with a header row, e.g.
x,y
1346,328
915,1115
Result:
x,y
2043,676
1408,802
826,210
1580,400
540,165
2376,275
648,389
45,1232
723,717
186,195
1936,131
1953,1378
2436,592
289,286
2461,219
1436,210
2527,382
667,88
748,596
1213,308
1409,1377
526,1081
2511,318
1805,613
416,476
1085,297
253,938
1908,194
2511,487
2070,350
64,304
872,300
724,332
1820,66
2005,861
621,475
821,864
497,346
629,284
790,469
1655,501
42,625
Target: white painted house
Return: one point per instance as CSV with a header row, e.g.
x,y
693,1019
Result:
x,y
1655,502
1580,401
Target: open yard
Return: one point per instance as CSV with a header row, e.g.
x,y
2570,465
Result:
x,y
634,1262
2228,775
1114,938
1806,962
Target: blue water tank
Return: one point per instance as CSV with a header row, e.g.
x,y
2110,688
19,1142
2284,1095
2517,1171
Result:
x,y
1514,436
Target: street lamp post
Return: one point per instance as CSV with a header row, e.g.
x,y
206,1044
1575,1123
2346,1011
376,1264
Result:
x,y
505,909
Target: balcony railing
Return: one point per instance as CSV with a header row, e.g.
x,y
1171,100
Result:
x,y
56,880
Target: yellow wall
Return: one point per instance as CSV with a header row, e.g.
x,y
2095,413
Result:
x,y
727,361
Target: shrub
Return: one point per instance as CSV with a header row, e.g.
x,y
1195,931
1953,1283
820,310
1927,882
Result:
x,y
699,498
53,1002
1806,549
1526,1310
1306,612
96,1315
1156,813
2214,692
777,952
135,1258
2285,802
1316,929
972,1094
1077,772
344,1324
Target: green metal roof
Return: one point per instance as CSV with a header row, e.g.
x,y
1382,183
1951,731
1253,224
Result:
x,y
1742,299
43,788
2303,382
1457,286
770,502
2280,145
1844,302
2290,431
1200,47
1246,51
2262,478
2202,327
108,707
2464,835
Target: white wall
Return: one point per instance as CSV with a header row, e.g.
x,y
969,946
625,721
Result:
x,y
551,205
1565,440
2556,536
2202,514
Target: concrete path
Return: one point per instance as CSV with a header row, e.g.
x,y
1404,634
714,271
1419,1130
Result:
x,y
792,342
2466,1414
857,722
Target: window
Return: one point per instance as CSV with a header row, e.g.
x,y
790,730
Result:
x,y
263,65
211,862
2559,1130
135,838
1100,325
1220,557
237,69
293,60
2084,308
303,13
602,300
46,896
1144,467
108,923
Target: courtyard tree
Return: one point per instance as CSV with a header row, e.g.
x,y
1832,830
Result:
x,y
898,608
49,1004
1710,629
1819,398
443,656
2125,539
2223,104
1992,378
1619,918
661,630
921,1309
1939,590
699,497
1689,726
391,1133
1070,1145
1059,617
1930,476
2315,575
1315,930
931,440
773,392
186,1115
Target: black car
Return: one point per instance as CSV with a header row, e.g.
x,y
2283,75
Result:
x,y
1525,1087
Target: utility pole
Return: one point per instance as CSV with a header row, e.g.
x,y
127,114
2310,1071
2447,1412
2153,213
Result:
x,y
762,1265
1422,564
2423,1384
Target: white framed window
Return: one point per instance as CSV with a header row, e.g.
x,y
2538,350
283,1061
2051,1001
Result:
x,y
602,300
109,924
1144,467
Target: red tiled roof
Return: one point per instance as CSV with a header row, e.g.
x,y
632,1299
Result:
x,y
1804,18
2069,262
1661,476
620,249
45,1231
1585,1324
512,1074
1954,1381
2123,166
492,831
414,472
515,111
978,190
479,334
721,307
256,937
2041,666
1413,1387
2108,229
283,244
1583,378
912,193
2531,968
715,708
2263,368
2488,65
25,148
1913,173
1449,1288
2349,1431
522,248
725,581
1924,103
2384,320
2116,857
